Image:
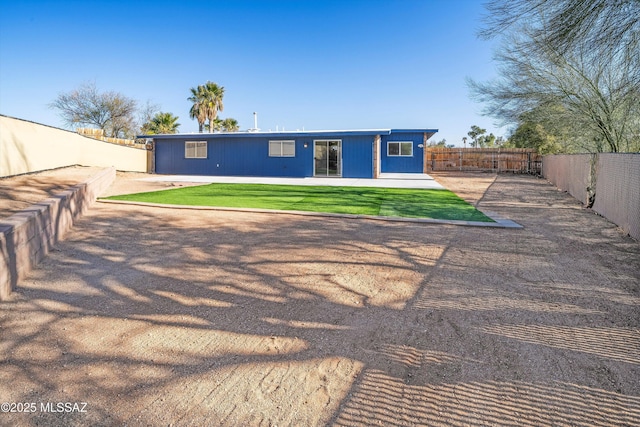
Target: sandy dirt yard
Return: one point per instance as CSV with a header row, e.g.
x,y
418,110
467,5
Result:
x,y
158,316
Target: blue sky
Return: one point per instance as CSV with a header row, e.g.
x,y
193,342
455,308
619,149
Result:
x,y
345,64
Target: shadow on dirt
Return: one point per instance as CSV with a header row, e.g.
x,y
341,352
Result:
x,y
160,315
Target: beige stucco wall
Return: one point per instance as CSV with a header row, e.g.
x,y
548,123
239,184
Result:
x,y
30,147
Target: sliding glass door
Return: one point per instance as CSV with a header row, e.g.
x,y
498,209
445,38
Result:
x,y
328,158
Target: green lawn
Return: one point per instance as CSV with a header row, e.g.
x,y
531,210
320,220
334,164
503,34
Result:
x,y
391,202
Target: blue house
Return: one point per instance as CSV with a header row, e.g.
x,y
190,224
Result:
x,y
348,154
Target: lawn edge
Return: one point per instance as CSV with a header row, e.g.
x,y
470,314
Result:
x,y
500,222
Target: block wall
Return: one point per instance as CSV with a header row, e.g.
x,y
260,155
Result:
x,y
31,147
29,235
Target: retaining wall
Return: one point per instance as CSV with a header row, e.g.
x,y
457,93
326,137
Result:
x,y
31,147
609,181
27,236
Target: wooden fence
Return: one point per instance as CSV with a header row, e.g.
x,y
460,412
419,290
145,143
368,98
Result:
x,y
99,134
516,160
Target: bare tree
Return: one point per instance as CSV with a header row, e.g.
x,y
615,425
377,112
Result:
x,y
591,96
604,25
86,106
145,114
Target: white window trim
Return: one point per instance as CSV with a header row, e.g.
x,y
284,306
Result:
x,y
197,154
281,143
399,148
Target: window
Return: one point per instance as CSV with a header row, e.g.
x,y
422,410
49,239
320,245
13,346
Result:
x,y
400,149
282,148
195,149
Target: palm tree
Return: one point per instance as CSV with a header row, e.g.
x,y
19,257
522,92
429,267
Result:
x,y
225,125
230,125
217,124
198,109
207,101
213,95
161,123
168,123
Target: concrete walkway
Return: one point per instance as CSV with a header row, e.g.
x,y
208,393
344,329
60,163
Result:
x,y
396,180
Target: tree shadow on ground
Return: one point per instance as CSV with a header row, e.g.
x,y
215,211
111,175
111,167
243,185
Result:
x,y
167,316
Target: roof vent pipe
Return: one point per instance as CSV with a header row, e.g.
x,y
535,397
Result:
x,y
255,124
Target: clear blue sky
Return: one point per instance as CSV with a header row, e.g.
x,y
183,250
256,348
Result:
x,y
345,64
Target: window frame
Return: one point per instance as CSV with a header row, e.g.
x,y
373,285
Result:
x,y
400,144
281,143
196,153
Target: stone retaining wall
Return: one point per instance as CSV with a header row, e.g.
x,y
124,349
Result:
x,y
27,236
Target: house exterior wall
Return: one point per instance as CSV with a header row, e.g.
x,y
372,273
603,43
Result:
x,y
363,153
246,156
357,156
249,156
402,164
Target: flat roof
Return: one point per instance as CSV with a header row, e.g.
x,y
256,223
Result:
x,y
285,134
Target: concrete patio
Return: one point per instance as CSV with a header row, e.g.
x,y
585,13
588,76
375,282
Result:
x,y
386,180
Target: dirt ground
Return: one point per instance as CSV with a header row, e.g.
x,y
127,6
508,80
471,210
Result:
x,y
157,316
19,192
